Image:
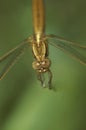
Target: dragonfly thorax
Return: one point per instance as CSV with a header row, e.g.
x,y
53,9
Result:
x,y
41,66
39,50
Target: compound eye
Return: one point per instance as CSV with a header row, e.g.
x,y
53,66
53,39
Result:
x,y
36,65
46,63
41,66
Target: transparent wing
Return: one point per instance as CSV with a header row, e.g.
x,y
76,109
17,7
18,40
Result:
x,y
11,58
71,48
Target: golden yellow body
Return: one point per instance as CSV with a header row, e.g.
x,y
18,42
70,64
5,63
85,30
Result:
x,y
39,43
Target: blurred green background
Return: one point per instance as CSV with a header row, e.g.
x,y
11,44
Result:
x,y
24,104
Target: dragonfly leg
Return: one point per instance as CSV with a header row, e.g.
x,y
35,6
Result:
x,y
50,79
40,78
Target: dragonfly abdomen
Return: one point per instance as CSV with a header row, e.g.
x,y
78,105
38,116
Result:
x,y
38,16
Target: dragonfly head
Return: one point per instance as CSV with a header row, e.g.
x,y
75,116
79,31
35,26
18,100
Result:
x,y
41,66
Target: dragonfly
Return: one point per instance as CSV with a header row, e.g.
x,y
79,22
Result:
x,y
39,42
